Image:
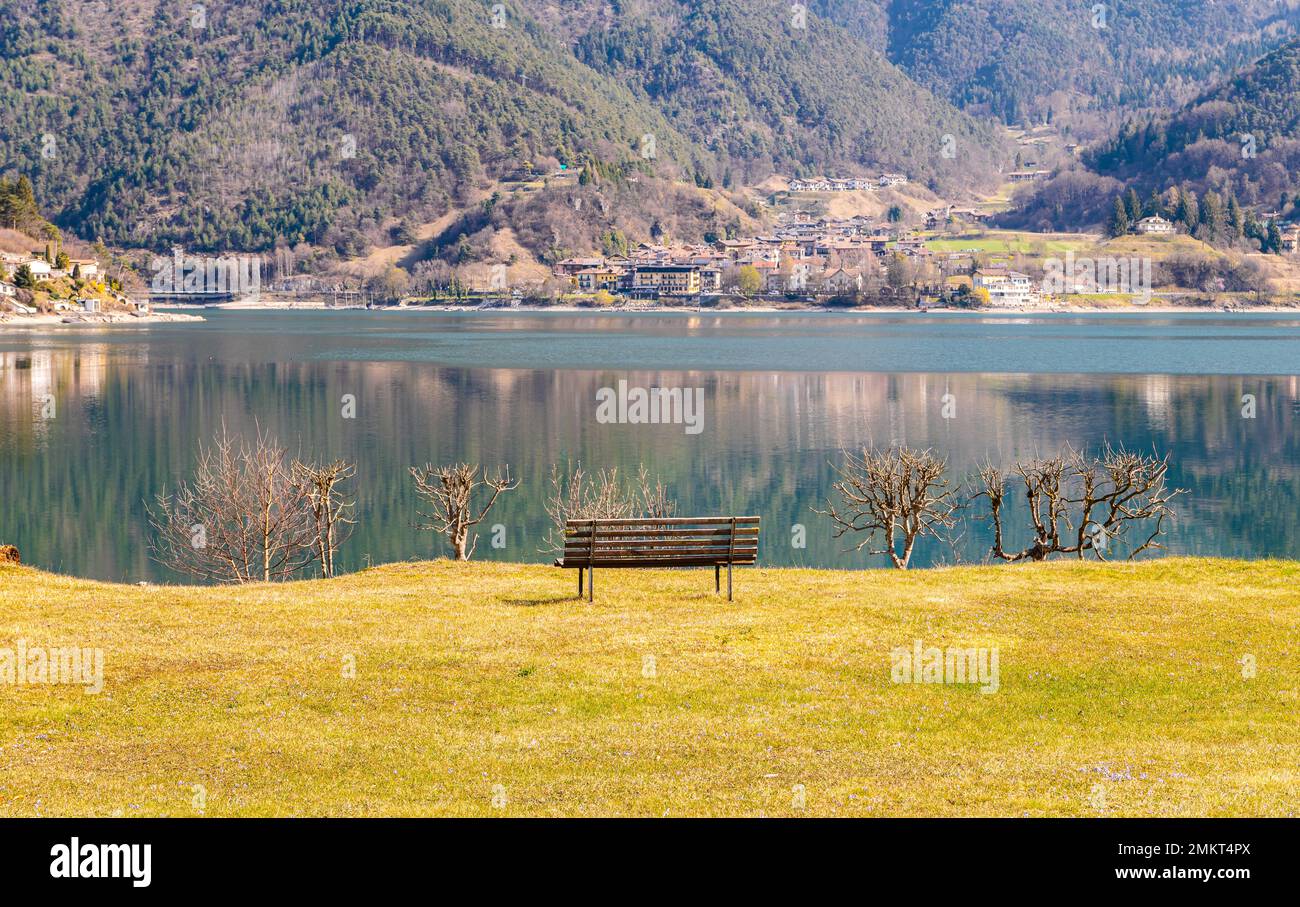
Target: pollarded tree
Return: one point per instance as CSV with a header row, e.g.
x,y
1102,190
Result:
x,y
1115,503
331,509
579,495
896,496
449,492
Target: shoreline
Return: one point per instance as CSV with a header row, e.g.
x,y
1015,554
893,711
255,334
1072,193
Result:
x,y
766,309
96,319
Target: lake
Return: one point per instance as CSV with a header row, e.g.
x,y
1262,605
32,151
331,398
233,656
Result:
x,y
94,422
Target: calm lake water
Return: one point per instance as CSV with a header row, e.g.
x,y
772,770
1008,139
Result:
x,y
782,394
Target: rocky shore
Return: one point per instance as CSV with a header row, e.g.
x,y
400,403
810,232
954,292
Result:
x,y
93,319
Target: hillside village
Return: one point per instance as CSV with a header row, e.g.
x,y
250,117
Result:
x,y
954,260
39,276
911,260
53,283
799,257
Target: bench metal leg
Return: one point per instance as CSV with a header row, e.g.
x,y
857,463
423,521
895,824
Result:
x,y
729,598
579,582
591,584
717,577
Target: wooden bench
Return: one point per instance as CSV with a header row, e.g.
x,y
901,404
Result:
x,y
715,542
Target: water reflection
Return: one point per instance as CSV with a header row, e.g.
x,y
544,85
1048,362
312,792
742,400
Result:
x,y
128,412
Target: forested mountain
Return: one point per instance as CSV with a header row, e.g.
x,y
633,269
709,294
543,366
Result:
x,y
1216,166
234,125
244,125
1018,59
1243,136
767,87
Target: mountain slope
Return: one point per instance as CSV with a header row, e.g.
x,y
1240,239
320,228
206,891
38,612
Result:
x,y
766,89
1238,143
245,126
1017,59
1243,134
294,120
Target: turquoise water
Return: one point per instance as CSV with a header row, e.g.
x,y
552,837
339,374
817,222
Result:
x,y
782,394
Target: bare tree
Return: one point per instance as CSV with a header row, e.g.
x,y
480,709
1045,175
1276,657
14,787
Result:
x,y
579,495
330,508
1118,501
241,518
653,497
896,496
449,493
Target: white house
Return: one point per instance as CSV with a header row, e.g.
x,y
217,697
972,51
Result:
x,y
1006,288
1154,225
84,268
842,281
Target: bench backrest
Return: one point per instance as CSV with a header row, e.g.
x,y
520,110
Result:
x,y
675,542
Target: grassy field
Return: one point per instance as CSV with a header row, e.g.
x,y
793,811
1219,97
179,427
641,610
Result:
x,y
1010,242
1038,245
484,689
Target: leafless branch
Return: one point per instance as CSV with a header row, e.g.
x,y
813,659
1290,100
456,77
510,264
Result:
x,y
896,496
241,518
1080,504
449,492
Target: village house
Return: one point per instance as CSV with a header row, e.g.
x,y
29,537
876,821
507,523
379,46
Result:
x,y
890,180
840,282
571,266
39,267
591,280
1006,288
1154,225
810,185
1028,176
849,184
938,216
787,279
1291,240
84,268
657,281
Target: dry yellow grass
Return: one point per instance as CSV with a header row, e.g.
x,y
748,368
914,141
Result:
x,y
1122,692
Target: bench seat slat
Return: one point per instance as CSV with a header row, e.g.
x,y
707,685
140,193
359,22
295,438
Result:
x,y
670,521
650,555
614,563
661,543
582,532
